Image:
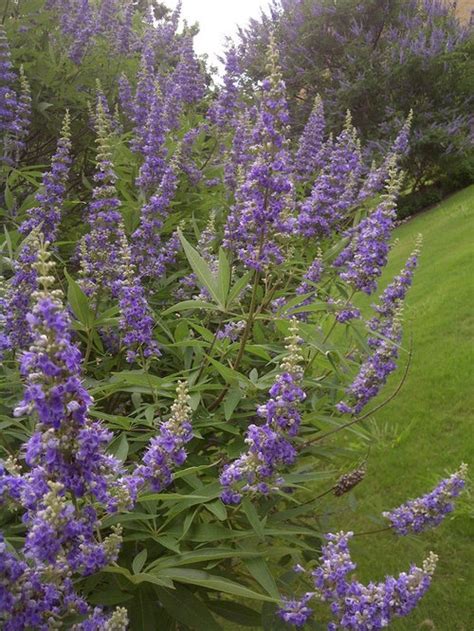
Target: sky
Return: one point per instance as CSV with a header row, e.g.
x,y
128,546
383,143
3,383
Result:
x,y
217,19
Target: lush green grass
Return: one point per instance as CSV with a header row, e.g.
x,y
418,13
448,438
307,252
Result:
x,y
428,429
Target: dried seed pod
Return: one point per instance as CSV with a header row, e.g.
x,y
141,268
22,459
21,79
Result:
x,y
349,480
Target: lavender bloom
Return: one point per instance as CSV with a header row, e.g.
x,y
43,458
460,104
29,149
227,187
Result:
x,y
375,370
336,187
47,215
240,154
126,97
98,621
269,445
136,320
224,109
153,146
310,147
262,213
348,314
125,37
8,97
428,511
356,606
373,606
366,254
330,578
22,116
66,446
296,612
167,450
138,108
30,598
82,28
188,164
377,176
185,85
308,285
43,219
100,251
147,254
392,299
231,331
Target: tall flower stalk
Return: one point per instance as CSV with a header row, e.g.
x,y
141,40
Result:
x,y
270,445
264,203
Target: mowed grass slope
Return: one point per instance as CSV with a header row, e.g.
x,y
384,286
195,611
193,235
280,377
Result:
x,y
428,429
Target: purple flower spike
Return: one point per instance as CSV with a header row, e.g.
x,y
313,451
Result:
x,y
310,154
167,450
428,511
336,187
263,211
269,445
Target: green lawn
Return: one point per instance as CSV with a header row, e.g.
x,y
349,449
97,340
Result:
x,y
428,429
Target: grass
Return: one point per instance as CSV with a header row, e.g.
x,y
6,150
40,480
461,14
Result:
x,y
427,430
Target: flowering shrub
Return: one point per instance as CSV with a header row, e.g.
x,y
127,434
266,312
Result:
x,y
167,408
379,59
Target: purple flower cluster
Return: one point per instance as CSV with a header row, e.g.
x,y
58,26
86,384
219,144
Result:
x,y
310,154
428,511
363,259
374,371
355,606
224,109
15,108
100,249
149,254
46,216
232,331
269,445
153,144
136,319
167,450
377,176
392,299
264,204
69,477
336,187
43,219
309,283
384,341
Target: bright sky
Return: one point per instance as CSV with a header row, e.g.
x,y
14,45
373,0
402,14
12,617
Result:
x,y
217,19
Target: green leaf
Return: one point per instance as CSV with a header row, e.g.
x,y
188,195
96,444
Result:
x,y
139,561
238,287
223,276
119,447
187,609
231,401
236,612
202,271
254,520
211,581
190,304
79,303
218,509
259,569
202,555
